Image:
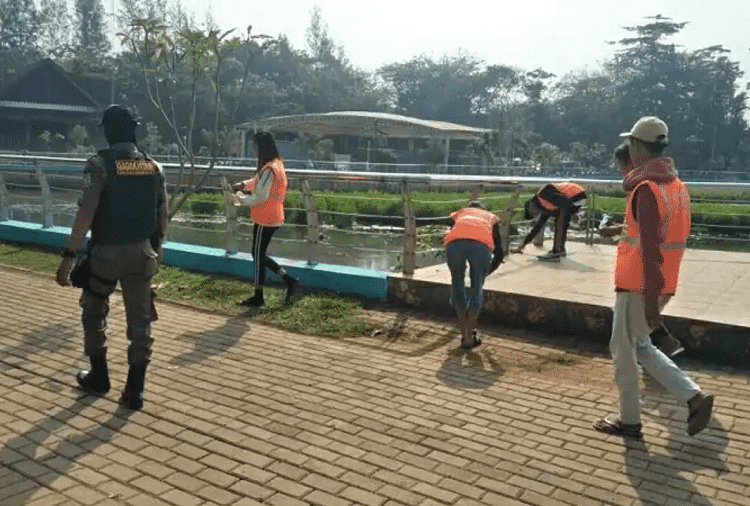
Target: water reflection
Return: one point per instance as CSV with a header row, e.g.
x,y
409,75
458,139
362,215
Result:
x,y
366,247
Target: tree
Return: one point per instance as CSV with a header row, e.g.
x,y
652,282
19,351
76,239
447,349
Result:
x,y
93,44
181,69
695,93
19,25
319,43
55,38
326,79
455,88
546,155
584,105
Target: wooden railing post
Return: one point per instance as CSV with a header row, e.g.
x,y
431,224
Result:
x,y
591,225
410,234
506,216
3,197
313,222
49,220
231,243
476,191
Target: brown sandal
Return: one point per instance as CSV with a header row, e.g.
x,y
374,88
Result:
x,y
475,341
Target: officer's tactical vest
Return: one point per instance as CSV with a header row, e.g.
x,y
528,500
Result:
x,y
127,208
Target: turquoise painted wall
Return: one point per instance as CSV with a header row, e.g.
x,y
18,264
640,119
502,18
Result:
x,y
337,278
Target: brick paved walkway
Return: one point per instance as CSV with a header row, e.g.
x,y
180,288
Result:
x,y
241,414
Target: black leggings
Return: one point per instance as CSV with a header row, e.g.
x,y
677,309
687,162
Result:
x,y
566,208
261,237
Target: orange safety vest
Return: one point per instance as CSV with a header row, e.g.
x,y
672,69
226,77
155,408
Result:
x,y
472,223
570,190
271,211
673,201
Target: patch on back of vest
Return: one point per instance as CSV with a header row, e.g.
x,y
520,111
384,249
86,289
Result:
x,y
130,167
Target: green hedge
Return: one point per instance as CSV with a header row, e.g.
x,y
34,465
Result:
x,y
381,208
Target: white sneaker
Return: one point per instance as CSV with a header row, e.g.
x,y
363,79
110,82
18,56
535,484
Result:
x,y
550,257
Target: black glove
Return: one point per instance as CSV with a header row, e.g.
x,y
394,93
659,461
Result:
x,y
237,187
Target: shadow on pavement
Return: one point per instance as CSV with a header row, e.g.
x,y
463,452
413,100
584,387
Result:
x,y
19,455
49,339
212,342
473,369
650,472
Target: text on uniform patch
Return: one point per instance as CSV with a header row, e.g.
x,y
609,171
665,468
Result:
x,y
135,167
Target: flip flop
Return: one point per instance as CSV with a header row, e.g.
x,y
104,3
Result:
x,y
699,417
615,427
474,343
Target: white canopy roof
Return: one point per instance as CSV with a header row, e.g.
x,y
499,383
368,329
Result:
x,y
367,124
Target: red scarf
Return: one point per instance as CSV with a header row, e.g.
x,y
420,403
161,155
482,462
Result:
x,y
659,170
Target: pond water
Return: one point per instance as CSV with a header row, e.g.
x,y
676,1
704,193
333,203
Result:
x,y
366,247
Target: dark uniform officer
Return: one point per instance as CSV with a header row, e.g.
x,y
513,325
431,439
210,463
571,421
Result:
x,y
124,204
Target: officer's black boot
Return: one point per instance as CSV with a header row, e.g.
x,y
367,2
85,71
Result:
x,y
96,379
132,394
291,288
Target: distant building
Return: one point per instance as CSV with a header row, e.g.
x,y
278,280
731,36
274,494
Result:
x,y
47,98
363,140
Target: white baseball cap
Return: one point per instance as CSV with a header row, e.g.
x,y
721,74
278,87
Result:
x,y
649,129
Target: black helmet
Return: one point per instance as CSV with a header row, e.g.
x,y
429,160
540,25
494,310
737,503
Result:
x,y
119,124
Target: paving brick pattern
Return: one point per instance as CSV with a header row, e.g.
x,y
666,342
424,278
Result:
x,y
243,414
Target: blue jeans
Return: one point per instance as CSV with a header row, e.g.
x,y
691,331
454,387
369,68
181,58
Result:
x,y
479,258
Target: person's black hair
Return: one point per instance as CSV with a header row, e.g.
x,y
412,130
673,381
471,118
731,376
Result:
x,y
119,124
622,153
527,207
654,148
267,150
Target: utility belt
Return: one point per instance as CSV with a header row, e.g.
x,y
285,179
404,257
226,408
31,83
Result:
x,y
81,277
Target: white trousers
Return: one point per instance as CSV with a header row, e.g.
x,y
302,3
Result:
x,y
631,344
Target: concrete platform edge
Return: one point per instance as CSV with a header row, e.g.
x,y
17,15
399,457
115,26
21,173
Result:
x,y
703,340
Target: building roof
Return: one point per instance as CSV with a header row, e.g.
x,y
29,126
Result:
x,y
46,87
367,124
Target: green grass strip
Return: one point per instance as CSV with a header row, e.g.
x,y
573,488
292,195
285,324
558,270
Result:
x,y
320,314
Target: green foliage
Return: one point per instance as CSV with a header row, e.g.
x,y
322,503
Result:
x,y
93,45
212,203
19,25
187,80
421,90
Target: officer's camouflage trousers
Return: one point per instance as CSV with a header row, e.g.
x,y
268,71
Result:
x,y
133,265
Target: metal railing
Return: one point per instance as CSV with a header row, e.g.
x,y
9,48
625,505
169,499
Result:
x,y
46,189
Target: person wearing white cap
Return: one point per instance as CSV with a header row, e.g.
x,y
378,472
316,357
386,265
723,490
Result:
x,y
657,225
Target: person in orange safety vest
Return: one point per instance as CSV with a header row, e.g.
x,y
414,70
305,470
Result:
x,y
474,238
558,200
264,194
657,225
661,337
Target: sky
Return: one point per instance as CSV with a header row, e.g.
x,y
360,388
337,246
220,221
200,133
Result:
x,y
559,36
